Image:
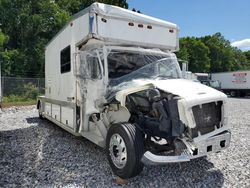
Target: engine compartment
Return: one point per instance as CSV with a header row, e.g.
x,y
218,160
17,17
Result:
x,y
156,113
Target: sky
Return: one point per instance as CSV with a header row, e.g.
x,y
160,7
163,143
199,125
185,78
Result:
x,y
203,17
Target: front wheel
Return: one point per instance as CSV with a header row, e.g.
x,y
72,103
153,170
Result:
x,y
124,146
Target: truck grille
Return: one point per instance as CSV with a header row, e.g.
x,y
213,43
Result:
x,y
206,116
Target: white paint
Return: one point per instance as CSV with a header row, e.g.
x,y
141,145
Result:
x,y
233,80
47,108
164,35
67,116
157,36
65,87
56,112
89,93
192,92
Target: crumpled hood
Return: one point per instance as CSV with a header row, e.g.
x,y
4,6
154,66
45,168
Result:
x,y
192,92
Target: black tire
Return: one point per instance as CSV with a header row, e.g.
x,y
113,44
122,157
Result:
x,y
132,137
39,113
233,94
242,94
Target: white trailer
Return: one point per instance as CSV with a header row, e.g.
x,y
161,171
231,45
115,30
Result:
x,y
112,77
236,83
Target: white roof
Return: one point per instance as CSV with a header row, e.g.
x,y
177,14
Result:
x,y
118,12
157,39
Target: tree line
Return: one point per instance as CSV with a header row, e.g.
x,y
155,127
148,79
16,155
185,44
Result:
x,y
212,53
26,26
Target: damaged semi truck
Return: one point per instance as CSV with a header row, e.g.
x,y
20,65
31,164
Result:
x,y
113,78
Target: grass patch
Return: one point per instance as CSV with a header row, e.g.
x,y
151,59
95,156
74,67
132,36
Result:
x,y
18,103
22,95
15,100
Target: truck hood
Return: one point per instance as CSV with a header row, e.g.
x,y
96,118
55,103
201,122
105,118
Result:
x,y
192,92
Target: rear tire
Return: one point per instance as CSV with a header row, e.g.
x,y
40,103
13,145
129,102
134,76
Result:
x,y
124,148
39,110
233,94
242,94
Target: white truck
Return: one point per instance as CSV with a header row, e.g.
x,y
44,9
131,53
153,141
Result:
x,y
205,78
236,83
112,77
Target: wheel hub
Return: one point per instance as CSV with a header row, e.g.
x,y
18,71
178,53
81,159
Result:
x,y
118,151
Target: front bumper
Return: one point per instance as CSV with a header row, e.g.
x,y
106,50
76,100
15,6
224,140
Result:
x,y
204,147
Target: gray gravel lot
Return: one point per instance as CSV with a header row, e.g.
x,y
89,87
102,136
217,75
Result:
x,y
37,153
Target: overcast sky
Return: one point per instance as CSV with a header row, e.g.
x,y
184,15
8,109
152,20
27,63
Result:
x,y
203,17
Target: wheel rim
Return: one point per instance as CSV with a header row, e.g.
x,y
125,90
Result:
x,y
118,151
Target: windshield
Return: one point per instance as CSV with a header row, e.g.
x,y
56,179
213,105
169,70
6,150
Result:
x,y
129,66
215,84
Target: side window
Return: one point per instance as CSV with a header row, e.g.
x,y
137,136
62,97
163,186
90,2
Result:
x,y
94,69
167,70
65,60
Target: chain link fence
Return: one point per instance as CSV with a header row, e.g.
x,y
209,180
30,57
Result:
x,y
21,89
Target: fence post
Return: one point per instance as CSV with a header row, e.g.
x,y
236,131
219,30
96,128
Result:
x,y
38,82
1,90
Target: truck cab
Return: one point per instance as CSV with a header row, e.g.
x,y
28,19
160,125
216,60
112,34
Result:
x,y
212,83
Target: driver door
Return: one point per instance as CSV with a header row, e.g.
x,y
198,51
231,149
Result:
x,y
90,83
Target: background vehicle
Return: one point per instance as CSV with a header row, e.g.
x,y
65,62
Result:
x,y
212,83
205,78
112,77
235,83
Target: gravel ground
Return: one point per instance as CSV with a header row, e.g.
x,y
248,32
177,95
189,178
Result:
x,y
37,153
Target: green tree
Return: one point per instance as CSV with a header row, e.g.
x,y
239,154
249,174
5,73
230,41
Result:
x,y
222,55
183,53
212,53
3,40
29,25
247,55
196,53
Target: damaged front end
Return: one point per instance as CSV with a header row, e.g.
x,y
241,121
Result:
x,y
175,132
180,119
177,127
